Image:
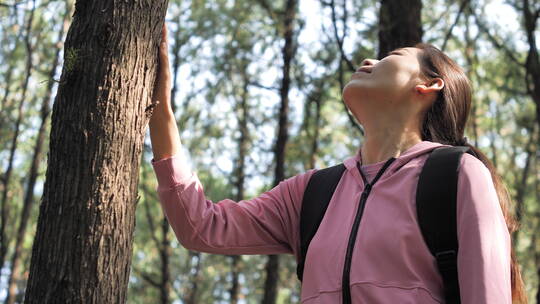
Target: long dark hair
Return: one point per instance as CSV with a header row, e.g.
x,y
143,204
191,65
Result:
x,y
445,122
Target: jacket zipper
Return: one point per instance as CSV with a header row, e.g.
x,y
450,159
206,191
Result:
x,y
345,282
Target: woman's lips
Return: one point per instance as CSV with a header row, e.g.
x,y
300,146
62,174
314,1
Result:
x,y
363,69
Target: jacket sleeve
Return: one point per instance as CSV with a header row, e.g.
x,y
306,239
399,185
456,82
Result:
x,y
484,240
267,224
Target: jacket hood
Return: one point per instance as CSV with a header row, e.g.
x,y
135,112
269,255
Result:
x,y
415,151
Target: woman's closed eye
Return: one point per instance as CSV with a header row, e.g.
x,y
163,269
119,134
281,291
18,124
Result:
x,y
393,53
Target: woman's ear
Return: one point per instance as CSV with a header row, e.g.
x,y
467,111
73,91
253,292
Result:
x,y
433,86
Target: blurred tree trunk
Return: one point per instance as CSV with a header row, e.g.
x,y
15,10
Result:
x,y
163,245
234,292
316,127
340,39
33,173
536,252
521,183
400,24
82,250
532,65
10,57
288,52
4,240
312,120
472,60
165,252
242,112
537,258
191,296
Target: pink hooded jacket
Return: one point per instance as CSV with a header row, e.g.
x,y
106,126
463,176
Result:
x,y
390,263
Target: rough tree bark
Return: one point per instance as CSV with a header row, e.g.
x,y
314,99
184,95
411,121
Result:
x,y
399,24
33,173
82,250
288,52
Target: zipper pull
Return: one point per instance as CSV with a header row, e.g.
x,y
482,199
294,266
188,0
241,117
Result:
x,y
367,189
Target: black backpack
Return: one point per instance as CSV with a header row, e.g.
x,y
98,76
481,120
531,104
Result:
x,y
437,183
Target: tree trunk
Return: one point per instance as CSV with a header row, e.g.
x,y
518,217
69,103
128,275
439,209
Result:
x,y
4,240
316,128
235,285
521,186
538,287
472,59
532,64
399,24
311,121
288,51
33,174
240,172
163,246
534,247
537,259
272,278
82,250
496,126
178,43
10,70
191,296
165,253
340,39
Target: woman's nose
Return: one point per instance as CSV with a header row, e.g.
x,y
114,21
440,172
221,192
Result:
x,y
367,62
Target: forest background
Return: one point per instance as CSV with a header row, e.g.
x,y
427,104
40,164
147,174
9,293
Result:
x,y
257,97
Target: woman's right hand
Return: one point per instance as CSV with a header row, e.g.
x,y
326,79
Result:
x,y
163,129
161,96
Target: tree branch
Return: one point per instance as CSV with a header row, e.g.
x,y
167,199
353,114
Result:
x,y
339,40
258,85
494,41
449,33
146,276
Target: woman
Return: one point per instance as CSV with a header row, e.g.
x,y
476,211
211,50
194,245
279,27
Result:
x,y
409,103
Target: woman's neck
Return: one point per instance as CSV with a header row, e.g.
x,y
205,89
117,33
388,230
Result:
x,y
383,143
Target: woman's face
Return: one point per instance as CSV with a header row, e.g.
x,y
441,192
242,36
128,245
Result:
x,y
384,86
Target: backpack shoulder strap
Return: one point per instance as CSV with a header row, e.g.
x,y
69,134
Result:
x,y
317,195
436,209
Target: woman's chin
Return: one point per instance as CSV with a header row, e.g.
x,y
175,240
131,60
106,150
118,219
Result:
x,y
351,91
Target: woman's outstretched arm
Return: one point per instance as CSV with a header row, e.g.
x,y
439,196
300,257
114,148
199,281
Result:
x,y
267,224
163,130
